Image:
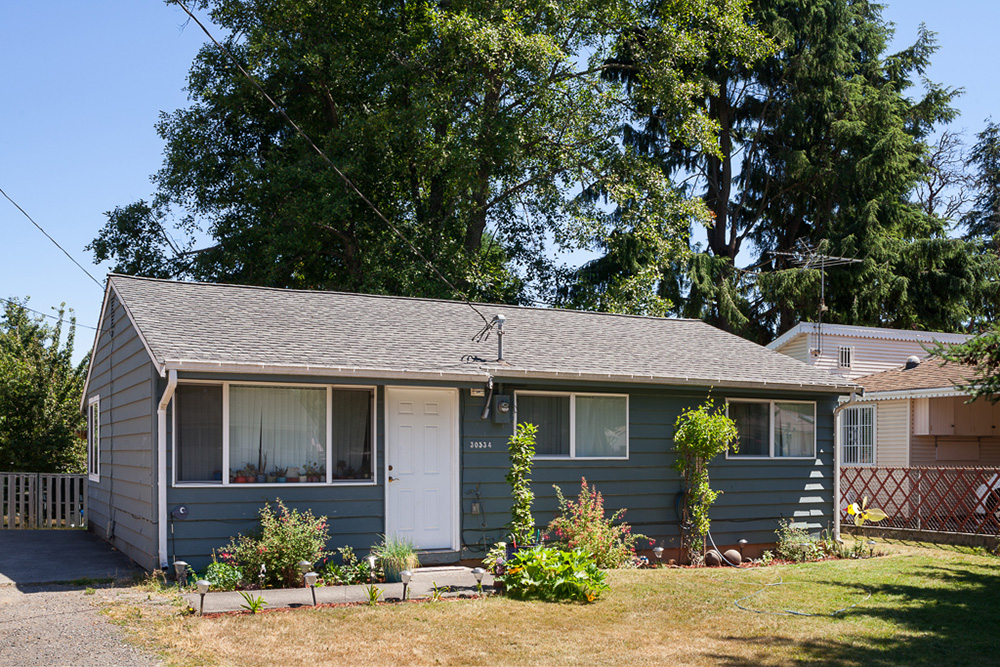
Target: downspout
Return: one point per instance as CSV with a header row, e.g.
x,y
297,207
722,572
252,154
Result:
x,y
836,464
161,466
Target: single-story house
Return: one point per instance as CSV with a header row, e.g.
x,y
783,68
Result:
x,y
851,352
207,401
915,415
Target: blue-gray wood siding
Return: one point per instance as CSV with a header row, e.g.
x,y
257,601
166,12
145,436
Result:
x,y
122,504
756,493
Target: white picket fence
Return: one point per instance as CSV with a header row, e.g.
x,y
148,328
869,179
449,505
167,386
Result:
x,y
42,500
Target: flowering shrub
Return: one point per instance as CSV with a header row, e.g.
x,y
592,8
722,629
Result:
x,y
582,525
285,537
553,574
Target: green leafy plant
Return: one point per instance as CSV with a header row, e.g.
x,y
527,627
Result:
x,y
437,592
767,558
700,435
395,554
373,592
581,524
521,448
795,544
350,570
224,575
252,603
495,557
285,537
553,574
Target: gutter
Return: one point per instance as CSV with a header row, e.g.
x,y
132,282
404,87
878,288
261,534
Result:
x,y
161,466
853,400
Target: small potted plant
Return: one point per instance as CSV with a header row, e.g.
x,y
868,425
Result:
x,y
292,475
314,472
280,475
395,554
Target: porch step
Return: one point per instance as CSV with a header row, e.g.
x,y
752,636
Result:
x,y
432,558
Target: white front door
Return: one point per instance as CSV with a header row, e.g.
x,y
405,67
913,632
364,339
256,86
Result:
x,y
422,467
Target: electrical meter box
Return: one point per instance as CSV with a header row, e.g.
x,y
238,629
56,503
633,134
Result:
x,y
503,409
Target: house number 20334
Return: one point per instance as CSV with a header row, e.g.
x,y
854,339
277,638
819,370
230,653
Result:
x,y
480,444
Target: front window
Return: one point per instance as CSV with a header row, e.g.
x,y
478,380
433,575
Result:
x,y
576,425
857,436
272,434
774,429
94,438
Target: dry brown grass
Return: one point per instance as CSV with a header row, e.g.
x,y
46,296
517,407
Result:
x,y
924,608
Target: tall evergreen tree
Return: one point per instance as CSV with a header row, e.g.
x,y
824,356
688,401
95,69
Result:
x,y
817,143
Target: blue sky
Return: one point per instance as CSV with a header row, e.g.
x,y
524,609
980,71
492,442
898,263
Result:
x,y
84,81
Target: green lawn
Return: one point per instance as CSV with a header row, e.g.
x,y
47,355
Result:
x,y
915,606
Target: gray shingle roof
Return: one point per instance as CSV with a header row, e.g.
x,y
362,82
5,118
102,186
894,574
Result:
x,y
204,326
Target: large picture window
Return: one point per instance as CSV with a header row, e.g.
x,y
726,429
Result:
x,y
94,438
774,429
272,434
857,436
576,425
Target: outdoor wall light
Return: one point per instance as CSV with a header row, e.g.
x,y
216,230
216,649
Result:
x,y
180,572
305,566
311,578
405,576
203,587
479,573
742,544
658,552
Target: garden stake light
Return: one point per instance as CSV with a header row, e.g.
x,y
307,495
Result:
x,y
180,572
478,573
404,576
305,566
742,544
371,568
311,578
658,552
203,587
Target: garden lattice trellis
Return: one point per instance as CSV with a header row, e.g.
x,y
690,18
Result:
x,y
948,500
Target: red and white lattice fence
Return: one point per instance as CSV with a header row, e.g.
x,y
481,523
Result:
x,y
949,500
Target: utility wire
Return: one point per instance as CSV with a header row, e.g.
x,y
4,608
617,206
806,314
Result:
x,y
347,181
38,312
16,205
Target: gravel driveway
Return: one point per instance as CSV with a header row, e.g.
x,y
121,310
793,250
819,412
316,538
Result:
x,y
60,625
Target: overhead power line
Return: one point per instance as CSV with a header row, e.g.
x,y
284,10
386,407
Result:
x,y
38,312
49,237
347,181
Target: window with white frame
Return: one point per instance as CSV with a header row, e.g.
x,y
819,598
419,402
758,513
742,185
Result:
x,y
774,429
94,438
857,436
273,434
845,356
574,425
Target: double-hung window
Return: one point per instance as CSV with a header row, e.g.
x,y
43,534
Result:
x,y
774,429
857,436
234,433
94,439
573,425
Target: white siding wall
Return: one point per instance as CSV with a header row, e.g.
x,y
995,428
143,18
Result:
x,y
891,421
870,355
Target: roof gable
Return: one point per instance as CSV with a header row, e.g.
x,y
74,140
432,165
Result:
x,y
204,326
850,331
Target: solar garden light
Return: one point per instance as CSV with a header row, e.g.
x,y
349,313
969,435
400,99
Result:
x,y
658,552
203,587
371,568
311,578
180,572
742,544
478,573
305,566
405,576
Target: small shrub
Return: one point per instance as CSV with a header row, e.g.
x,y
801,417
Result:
x,y
553,574
795,544
495,558
350,570
582,525
223,576
285,537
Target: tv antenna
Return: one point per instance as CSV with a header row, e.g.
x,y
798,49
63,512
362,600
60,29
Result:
x,y
804,256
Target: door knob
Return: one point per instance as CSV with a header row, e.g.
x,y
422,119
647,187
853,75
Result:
x,y
391,479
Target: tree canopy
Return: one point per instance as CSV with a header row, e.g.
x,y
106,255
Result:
x,y
473,127
40,390
819,142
